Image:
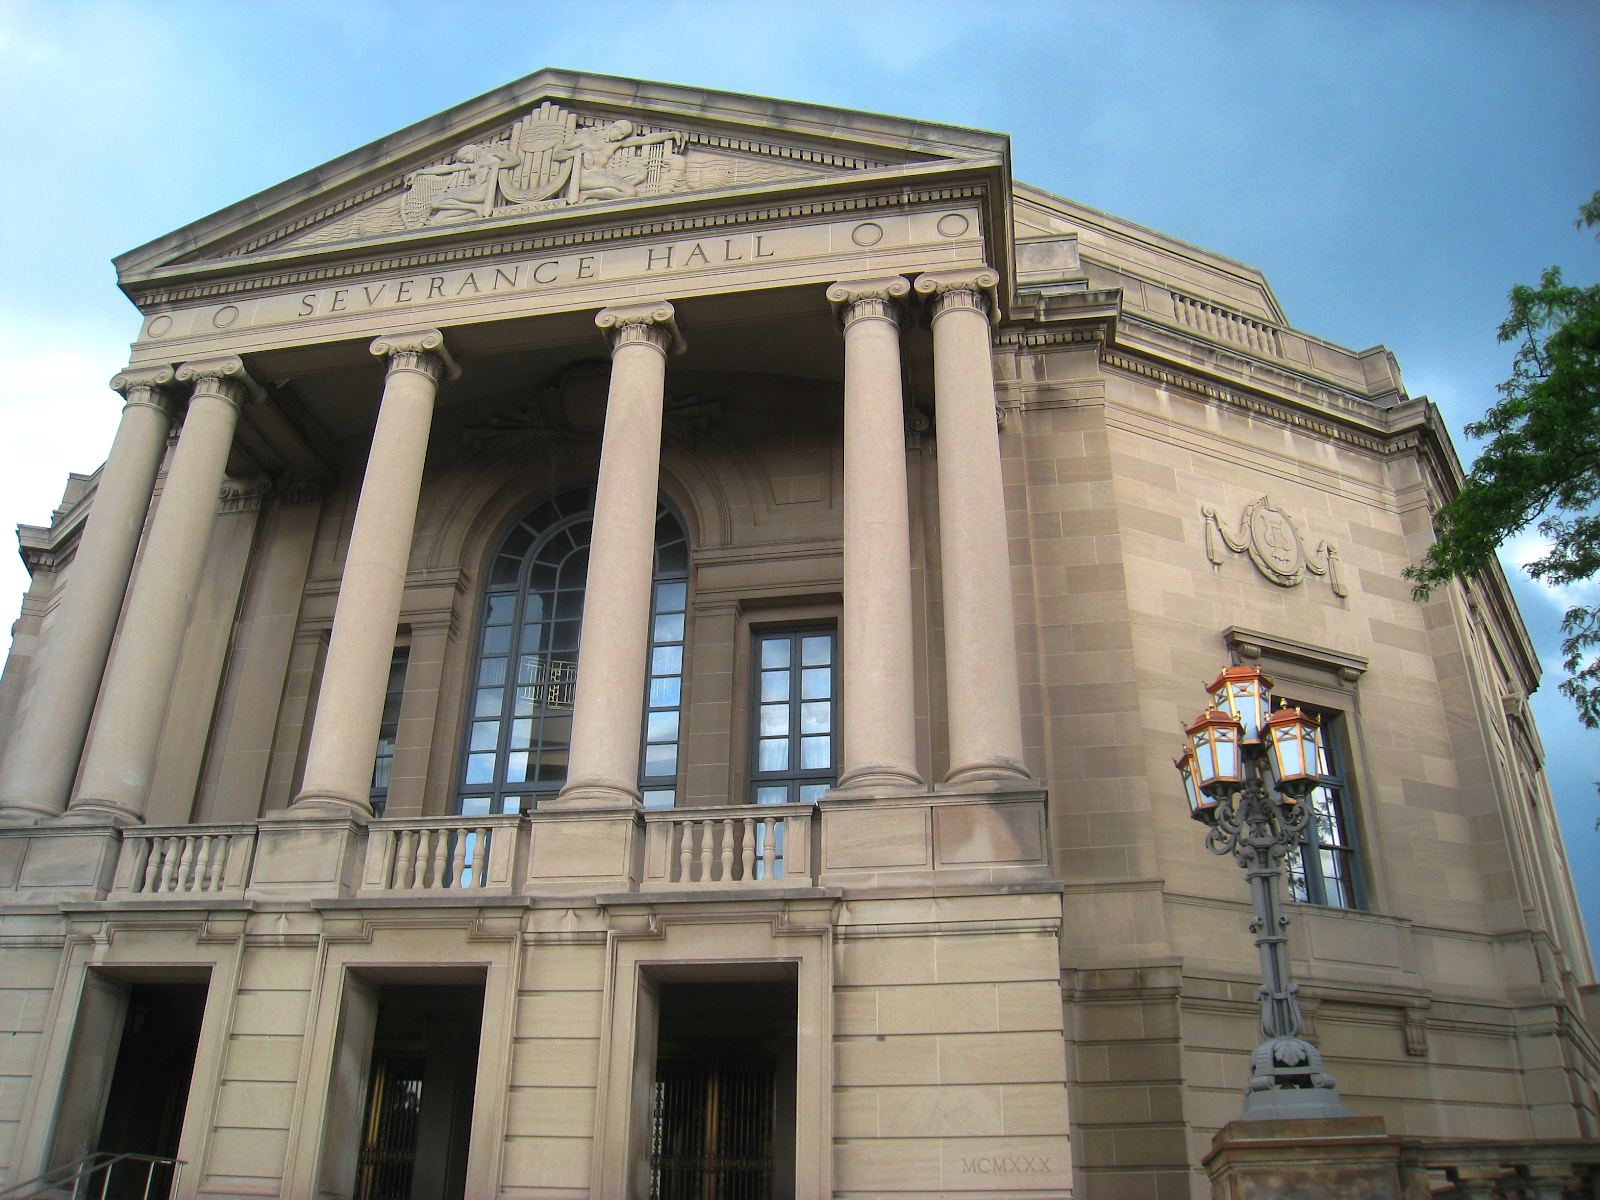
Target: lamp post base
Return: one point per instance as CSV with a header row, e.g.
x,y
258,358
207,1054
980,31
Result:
x,y
1288,1083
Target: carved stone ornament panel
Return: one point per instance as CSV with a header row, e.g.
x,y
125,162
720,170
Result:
x,y
1273,543
553,159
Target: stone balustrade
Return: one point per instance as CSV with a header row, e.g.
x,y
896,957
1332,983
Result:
x,y
182,861
1495,1170
993,832
738,846
441,854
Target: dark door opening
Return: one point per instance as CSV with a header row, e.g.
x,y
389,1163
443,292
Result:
x,y
150,1084
723,1109
419,1096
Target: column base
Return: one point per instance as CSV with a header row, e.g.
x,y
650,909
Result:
x,y
996,770
876,780
19,814
593,795
97,812
324,805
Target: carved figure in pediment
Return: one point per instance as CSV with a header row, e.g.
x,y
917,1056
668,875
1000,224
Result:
x,y
461,189
601,170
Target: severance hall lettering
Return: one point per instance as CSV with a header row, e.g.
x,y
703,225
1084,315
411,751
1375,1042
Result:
x,y
574,268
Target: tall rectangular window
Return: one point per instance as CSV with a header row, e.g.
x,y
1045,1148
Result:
x,y
388,731
1325,868
664,696
792,710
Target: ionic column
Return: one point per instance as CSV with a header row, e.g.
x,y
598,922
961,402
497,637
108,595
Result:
x,y
121,758
344,740
877,730
43,758
614,645
979,640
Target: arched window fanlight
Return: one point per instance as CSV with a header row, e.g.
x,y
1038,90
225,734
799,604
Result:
x,y
519,705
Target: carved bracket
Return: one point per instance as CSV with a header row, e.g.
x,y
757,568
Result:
x,y
1274,544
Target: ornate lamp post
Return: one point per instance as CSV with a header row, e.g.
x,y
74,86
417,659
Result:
x,y
1240,753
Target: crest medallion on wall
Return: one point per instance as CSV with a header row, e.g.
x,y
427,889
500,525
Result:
x,y
1270,538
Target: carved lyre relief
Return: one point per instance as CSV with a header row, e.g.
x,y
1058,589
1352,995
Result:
x,y
1270,538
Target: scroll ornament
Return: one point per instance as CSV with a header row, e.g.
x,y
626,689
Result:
x,y
1270,538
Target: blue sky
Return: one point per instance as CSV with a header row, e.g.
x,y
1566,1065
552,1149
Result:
x,y
1393,167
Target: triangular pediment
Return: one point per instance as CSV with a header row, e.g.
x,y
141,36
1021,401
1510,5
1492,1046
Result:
x,y
559,146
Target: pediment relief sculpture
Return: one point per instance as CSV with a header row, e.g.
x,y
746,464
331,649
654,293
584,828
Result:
x,y
1270,538
551,159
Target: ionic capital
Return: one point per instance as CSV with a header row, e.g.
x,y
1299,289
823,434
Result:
x,y
868,299
653,325
223,378
970,289
149,387
422,350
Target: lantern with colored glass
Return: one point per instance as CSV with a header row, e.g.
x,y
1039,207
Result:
x,y
1246,694
1293,739
1218,765
1201,806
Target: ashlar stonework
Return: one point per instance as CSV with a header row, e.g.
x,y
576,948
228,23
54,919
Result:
x,y
631,643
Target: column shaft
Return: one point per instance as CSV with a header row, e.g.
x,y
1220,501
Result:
x,y
979,636
613,647
344,740
121,758
43,757
877,728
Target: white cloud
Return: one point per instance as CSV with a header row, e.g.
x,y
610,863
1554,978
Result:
x,y
59,417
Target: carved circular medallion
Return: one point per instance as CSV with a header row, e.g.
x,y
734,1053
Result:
x,y
158,327
1275,544
225,316
953,225
868,233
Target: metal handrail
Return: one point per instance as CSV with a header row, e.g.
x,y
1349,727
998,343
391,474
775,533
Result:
x,y
81,1170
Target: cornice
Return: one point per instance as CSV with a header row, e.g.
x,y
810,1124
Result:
x,y
488,251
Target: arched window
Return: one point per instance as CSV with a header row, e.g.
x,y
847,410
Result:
x,y
519,706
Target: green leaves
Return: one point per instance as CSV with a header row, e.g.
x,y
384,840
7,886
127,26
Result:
x,y
1542,460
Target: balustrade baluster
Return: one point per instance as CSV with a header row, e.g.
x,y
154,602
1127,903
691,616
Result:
x,y
152,864
185,865
441,858
769,852
707,836
169,864
202,864
685,850
458,861
219,861
748,856
404,843
419,875
480,859
727,849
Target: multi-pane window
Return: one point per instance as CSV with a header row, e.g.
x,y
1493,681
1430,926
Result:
x,y
795,680
387,732
1324,868
658,768
519,708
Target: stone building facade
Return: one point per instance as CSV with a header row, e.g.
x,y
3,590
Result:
x,y
633,636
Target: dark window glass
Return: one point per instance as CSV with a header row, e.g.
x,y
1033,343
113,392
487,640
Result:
x,y
1325,867
793,686
384,763
519,707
